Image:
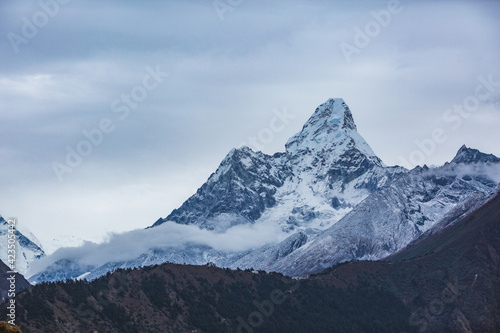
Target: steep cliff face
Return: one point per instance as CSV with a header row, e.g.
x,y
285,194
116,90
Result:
x,y
239,191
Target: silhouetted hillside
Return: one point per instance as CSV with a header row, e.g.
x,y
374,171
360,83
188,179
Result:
x,y
177,298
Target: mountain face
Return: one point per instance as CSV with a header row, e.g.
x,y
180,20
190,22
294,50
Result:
x,y
388,220
330,197
327,169
28,247
239,191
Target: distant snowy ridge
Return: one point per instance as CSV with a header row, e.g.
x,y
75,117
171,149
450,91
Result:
x,y
28,248
389,219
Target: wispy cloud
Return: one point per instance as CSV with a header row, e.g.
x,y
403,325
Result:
x,y
130,245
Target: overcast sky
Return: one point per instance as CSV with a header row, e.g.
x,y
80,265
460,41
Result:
x,y
165,89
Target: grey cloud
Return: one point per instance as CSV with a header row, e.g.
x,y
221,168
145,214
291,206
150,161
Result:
x,y
130,245
226,78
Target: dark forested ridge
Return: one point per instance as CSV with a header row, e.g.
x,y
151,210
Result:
x,y
178,298
446,283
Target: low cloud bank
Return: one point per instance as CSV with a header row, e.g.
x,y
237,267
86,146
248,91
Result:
x,y
491,171
130,245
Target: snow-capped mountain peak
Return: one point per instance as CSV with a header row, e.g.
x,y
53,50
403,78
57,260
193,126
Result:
x,y
330,132
467,155
327,164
